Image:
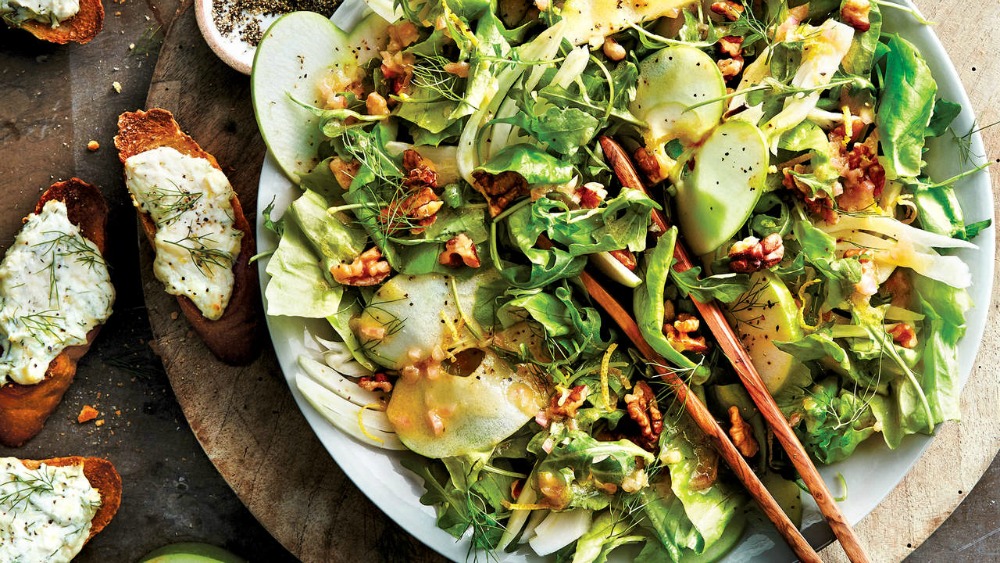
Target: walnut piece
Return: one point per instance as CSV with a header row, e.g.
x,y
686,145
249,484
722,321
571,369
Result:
x,y
379,382
367,269
742,434
416,212
613,50
458,251
731,45
904,335
375,104
753,255
500,190
642,408
730,9
420,171
731,67
855,14
344,171
590,195
564,404
679,334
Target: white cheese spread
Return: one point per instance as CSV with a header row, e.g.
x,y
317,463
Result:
x,y
196,241
54,288
53,11
45,513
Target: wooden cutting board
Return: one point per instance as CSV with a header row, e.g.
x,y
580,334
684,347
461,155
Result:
x,y
250,427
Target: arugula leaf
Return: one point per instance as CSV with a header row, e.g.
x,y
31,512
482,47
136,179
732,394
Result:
x,y
725,288
574,329
564,130
907,103
275,226
532,163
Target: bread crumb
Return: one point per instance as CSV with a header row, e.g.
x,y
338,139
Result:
x,y
173,316
99,422
117,86
92,146
87,413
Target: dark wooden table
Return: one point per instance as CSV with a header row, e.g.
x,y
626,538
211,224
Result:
x,y
53,101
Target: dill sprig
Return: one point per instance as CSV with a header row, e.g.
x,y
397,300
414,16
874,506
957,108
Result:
x,y
429,74
202,255
173,201
25,486
42,323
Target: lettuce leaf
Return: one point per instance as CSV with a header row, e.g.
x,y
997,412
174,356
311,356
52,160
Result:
x,y
907,104
648,306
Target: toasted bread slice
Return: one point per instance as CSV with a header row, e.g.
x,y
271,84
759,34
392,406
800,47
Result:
x,y
81,28
102,476
25,408
234,337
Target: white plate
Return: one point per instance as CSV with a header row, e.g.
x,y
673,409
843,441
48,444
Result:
x,y
870,474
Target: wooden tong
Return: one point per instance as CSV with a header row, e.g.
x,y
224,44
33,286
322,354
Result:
x,y
738,356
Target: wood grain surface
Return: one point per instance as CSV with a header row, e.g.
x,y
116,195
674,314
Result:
x,y
250,427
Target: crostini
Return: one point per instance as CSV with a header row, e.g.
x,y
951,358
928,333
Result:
x,y
56,294
56,21
193,219
51,508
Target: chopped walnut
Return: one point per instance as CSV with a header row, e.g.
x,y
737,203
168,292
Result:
x,y
402,35
904,335
344,171
416,212
420,171
563,405
647,163
367,269
730,9
742,434
500,190
730,68
613,50
855,14
458,251
375,104
643,410
590,195
679,334
625,257
731,45
898,289
818,204
863,176
377,383
397,69
752,255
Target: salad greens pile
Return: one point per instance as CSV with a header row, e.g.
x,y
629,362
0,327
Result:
x,y
454,187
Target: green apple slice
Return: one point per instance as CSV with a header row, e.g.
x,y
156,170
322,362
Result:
x,y
297,52
191,552
672,80
762,316
720,183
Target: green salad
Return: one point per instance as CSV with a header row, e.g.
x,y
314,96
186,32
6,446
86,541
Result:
x,y
454,187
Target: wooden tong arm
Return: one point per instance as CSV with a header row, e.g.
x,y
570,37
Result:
x,y
704,419
738,356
